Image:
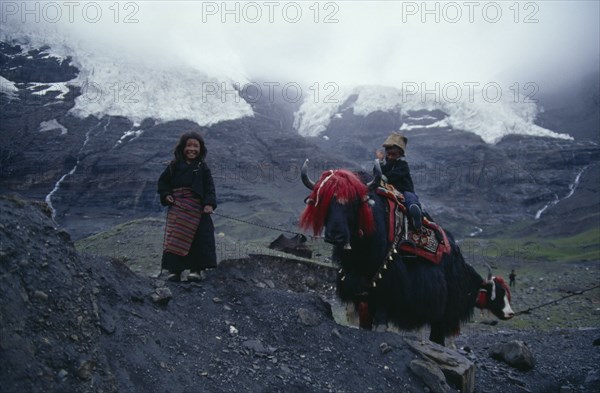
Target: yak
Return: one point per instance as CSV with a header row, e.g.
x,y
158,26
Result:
x,y
384,283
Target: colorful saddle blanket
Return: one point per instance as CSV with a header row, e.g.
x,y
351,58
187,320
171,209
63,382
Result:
x,y
430,242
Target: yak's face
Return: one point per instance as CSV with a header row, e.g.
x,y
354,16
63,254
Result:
x,y
341,223
494,295
338,203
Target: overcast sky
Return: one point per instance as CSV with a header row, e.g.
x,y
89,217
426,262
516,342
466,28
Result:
x,y
346,42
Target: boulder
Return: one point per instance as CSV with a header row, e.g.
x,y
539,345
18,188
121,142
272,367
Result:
x,y
162,296
295,245
431,375
514,353
458,370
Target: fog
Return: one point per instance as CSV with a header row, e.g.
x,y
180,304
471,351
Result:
x,y
549,43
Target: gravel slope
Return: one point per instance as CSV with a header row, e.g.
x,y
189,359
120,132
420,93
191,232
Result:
x,y
77,323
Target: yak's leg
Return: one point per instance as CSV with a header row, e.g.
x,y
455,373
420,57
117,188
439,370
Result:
x,y
452,339
380,321
437,334
352,314
452,342
365,316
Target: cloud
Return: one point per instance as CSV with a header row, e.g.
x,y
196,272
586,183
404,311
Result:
x,y
346,42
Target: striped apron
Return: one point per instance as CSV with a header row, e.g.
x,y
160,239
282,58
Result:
x,y
183,218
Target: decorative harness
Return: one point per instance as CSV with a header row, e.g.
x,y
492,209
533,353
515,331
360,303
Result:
x,y
430,242
331,173
396,222
481,301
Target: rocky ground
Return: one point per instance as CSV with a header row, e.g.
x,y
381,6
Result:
x,y
77,323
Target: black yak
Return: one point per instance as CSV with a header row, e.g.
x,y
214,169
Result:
x,y
384,283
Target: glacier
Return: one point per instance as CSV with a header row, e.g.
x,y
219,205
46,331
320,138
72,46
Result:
x,y
473,111
116,83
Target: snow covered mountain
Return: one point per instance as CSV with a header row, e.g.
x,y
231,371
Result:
x,y
117,83
100,127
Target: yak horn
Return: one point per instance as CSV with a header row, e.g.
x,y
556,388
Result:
x,y
377,179
489,272
304,174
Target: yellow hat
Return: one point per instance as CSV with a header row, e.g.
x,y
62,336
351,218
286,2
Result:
x,y
396,139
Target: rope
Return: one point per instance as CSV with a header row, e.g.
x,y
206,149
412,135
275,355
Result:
x,y
260,225
555,301
247,222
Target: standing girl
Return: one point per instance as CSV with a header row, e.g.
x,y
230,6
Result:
x,y
187,187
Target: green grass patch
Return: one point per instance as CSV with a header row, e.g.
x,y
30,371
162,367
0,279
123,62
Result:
x,y
137,242
584,246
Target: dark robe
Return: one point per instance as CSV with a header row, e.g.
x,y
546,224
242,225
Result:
x,y
197,177
398,175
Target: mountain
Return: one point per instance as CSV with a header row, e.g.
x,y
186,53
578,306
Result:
x,y
98,171
94,156
575,109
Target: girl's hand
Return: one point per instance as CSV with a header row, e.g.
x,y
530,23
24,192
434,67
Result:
x,y
208,209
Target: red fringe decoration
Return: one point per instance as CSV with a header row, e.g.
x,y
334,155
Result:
x,y
346,187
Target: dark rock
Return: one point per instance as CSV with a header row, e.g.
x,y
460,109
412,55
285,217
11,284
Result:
x,y
40,295
385,348
66,236
162,296
431,375
295,245
258,347
459,370
85,369
514,353
107,323
270,284
311,282
308,318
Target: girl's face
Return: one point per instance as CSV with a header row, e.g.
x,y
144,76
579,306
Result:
x,y
191,151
